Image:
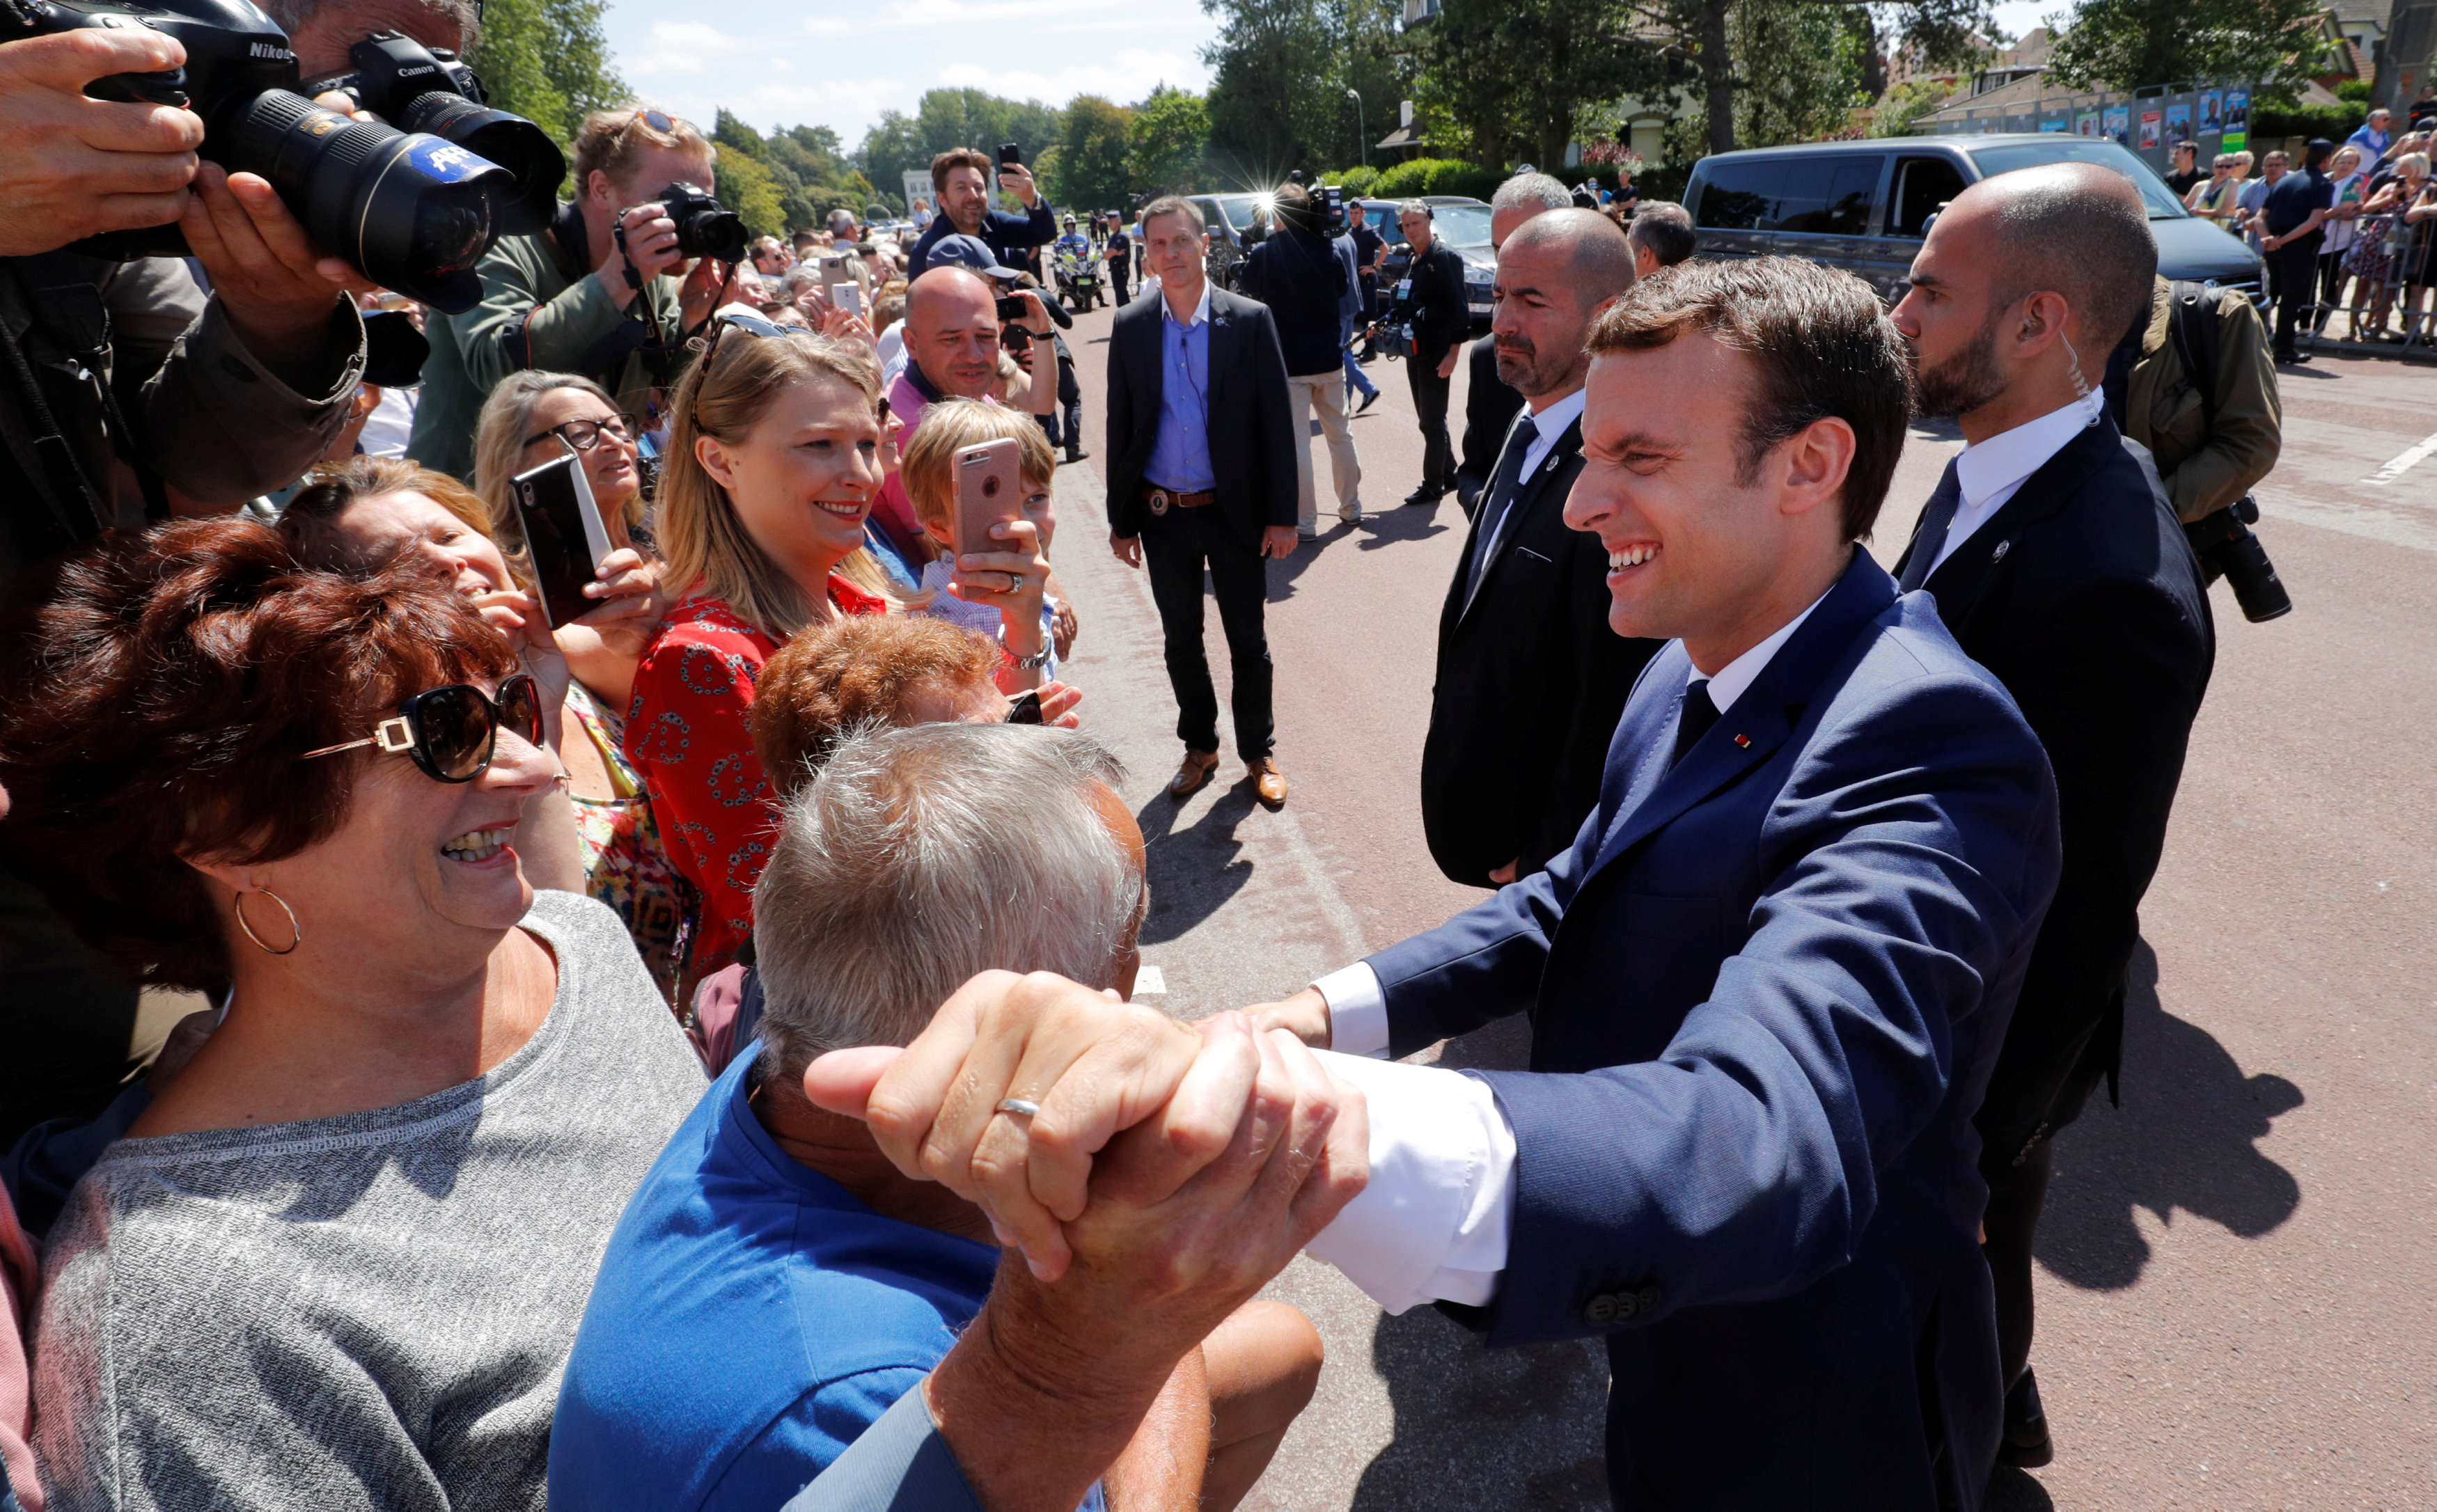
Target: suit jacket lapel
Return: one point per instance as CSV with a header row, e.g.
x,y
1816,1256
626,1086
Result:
x,y
1960,578
1527,497
1760,722
1224,335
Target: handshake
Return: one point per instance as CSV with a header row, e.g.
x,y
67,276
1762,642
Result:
x,y
1152,1176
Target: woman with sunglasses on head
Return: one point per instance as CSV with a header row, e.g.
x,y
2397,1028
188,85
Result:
x,y
600,836
340,1257
772,469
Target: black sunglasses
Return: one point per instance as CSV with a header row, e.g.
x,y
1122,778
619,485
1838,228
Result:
x,y
1024,710
749,325
450,732
586,434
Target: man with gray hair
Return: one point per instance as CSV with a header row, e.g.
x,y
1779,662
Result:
x,y
774,1284
1661,234
1489,404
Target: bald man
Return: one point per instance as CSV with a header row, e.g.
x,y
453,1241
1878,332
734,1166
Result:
x,y
1531,679
2057,561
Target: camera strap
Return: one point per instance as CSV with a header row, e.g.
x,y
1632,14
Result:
x,y
64,301
2190,324
59,478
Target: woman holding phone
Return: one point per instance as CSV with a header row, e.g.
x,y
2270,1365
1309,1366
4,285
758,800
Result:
x,y
774,462
597,834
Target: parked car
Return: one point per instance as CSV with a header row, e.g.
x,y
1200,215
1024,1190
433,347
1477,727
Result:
x,y
1236,224
1865,205
1462,225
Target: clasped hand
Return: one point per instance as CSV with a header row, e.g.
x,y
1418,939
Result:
x,y
1176,1166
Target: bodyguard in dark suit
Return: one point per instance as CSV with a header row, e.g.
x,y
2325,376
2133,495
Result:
x,y
2057,561
1767,981
1531,679
1202,473
1489,402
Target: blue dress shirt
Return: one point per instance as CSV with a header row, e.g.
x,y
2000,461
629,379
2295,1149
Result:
x,y
1180,457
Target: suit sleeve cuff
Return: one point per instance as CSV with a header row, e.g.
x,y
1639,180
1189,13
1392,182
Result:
x,y
1358,1011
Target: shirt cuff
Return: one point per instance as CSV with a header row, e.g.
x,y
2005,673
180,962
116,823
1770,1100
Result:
x,y
1358,1011
1432,1225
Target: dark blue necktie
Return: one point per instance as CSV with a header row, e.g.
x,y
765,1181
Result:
x,y
1500,501
1698,714
1931,538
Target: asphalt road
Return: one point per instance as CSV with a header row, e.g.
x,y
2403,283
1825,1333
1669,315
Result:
x,y
2238,1268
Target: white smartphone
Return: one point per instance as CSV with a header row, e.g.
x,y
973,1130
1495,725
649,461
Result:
x,y
847,296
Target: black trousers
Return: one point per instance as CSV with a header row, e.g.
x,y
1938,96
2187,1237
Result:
x,y
1118,280
2331,275
1430,406
1070,408
2292,275
1176,548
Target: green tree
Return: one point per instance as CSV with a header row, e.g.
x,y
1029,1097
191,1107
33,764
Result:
x,y
1169,152
1089,165
1519,76
1281,70
548,61
2127,44
946,118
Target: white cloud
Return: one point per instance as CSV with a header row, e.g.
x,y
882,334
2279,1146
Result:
x,y
842,62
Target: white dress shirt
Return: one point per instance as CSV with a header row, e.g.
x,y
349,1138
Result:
x,y
1433,1223
1551,424
1993,471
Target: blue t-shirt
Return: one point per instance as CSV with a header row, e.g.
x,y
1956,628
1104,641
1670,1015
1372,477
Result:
x,y
750,1320
2293,197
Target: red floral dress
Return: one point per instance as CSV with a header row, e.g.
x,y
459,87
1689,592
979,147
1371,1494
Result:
x,y
689,733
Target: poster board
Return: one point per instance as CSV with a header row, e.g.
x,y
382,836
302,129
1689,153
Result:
x,y
2118,127
2150,122
2238,119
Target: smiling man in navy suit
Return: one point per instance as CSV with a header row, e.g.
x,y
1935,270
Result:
x,y
1767,981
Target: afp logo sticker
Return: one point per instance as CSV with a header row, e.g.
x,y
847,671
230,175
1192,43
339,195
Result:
x,y
448,162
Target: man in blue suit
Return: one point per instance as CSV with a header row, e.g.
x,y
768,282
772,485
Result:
x,y
1767,984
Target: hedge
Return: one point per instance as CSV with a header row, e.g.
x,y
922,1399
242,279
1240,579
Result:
x,y
2334,122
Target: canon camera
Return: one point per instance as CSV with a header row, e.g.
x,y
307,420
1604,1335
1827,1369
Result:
x,y
416,89
413,209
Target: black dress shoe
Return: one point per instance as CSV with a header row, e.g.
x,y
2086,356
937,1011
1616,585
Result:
x,y
2024,1442
1425,496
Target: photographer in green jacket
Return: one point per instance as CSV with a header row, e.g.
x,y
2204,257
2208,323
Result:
x,y
579,297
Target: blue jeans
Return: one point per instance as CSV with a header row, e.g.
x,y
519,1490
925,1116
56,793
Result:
x,y
1356,376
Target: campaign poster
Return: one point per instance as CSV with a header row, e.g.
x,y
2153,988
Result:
x,y
2238,119
2119,123
2057,125
2212,112
2178,125
2149,120
2086,124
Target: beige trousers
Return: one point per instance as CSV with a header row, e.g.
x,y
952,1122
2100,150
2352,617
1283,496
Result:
x,y
1326,393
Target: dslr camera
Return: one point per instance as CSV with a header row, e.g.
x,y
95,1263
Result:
x,y
2228,549
414,209
705,227
416,89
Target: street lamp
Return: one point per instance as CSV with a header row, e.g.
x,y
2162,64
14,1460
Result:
x,y
1356,95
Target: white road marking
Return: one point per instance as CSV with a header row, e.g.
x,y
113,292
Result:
x,y
2402,464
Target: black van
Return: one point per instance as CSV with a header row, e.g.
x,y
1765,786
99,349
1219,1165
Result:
x,y
1865,205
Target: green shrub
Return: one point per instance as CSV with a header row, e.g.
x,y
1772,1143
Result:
x,y
2354,91
1355,181
1478,181
1405,180
2334,122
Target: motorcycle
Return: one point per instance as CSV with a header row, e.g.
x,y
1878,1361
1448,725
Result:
x,y
1079,281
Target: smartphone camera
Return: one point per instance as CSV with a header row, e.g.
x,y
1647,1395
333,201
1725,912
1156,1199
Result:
x,y
1009,155
1011,309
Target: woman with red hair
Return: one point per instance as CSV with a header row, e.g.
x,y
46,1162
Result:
x,y
339,1259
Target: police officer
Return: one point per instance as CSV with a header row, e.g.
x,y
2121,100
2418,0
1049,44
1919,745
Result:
x,y
1441,320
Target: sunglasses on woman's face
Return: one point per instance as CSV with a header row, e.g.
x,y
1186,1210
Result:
x,y
586,434
450,732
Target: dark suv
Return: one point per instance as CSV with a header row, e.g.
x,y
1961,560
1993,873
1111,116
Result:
x,y
1864,206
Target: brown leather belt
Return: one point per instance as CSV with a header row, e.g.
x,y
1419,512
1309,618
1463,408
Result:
x,y
1161,499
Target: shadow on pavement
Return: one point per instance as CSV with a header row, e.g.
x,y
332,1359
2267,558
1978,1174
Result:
x,y
1194,871
2014,1490
1479,1428
2186,1137
1409,522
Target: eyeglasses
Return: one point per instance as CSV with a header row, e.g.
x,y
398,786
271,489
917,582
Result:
x,y
450,732
586,434
749,325
663,124
1024,710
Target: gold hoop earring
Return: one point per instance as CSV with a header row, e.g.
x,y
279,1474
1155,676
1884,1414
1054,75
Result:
x,y
295,929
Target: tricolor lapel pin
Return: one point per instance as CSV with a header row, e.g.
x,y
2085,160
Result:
x,y
1743,740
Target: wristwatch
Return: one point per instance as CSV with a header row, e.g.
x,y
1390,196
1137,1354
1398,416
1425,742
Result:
x,y
1031,664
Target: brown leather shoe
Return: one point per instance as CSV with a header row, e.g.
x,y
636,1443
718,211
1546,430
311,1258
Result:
x,y
1267,781
1189,777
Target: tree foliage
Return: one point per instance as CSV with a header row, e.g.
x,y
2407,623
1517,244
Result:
x,y
1518,75
2127,44
1090,169
787,180
1171,150
949,118
548,61
1281,70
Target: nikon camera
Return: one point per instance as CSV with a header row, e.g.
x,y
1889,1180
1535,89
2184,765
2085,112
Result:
x,y
414,209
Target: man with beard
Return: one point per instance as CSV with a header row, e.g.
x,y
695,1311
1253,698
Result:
x,y
2057,563
1490,405
1531,679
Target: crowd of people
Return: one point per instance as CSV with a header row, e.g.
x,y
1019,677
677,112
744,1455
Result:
x,y
665,1041
2347,231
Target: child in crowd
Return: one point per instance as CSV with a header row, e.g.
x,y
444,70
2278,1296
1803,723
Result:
x,y
929,472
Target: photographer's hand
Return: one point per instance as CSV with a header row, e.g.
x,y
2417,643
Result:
x,y
1035,318
78,166
279,290
650,243
699,295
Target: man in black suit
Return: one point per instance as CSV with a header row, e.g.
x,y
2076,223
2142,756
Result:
x,y
2057,561
1531,679
1201,443
1432,293
1489,402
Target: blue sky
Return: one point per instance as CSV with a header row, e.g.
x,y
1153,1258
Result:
x,y
839,65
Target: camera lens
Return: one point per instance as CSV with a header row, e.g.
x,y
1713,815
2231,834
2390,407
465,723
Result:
x,y
412,211
511,141
712,233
